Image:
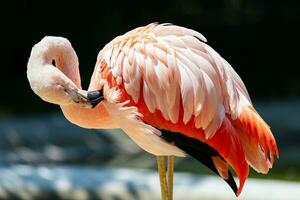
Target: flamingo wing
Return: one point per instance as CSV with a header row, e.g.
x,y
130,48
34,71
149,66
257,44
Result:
x,y
180,84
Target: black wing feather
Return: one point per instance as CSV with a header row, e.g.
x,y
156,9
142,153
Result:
x,y
198,150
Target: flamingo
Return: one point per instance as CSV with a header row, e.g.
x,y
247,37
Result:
x,y
169,91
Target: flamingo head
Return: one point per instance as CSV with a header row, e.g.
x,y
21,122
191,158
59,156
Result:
x,y
53,74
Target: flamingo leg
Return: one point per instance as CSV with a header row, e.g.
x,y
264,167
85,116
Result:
x,y
170,176
162,177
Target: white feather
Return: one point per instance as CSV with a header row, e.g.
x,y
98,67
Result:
x,y
145,136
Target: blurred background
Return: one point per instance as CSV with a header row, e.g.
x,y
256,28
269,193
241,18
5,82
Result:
x,y
38,147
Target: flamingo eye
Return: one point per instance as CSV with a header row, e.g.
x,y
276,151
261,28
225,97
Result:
x,y
53,63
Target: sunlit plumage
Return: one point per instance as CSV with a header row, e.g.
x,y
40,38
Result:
x,y
161,81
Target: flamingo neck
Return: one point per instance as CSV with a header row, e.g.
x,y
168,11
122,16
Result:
x,y
97,118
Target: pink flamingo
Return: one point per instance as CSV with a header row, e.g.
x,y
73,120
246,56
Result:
x,y
169,91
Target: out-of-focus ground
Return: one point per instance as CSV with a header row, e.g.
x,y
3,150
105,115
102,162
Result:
x,y
52,144
82,182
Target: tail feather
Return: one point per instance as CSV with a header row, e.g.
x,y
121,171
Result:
x,y
221,166
203,153
254,154
227,142
257,139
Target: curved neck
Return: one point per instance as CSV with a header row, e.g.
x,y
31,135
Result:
x,y
45,78
97,118
56,51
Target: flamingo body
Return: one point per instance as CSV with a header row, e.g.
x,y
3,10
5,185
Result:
x,y
176,82
169,91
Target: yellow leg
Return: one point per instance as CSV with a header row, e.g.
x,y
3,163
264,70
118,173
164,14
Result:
x,y
162,177
170,176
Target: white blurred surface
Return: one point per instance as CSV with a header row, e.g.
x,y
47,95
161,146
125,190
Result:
x,y
80,183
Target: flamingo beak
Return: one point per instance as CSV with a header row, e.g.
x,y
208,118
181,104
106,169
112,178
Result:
x,y
95,97
88,99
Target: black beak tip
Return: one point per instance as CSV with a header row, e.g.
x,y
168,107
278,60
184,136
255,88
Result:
x,y
95,97
94,104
